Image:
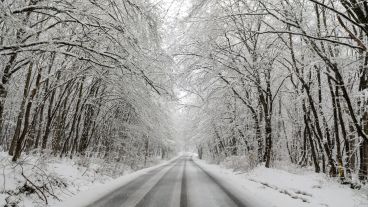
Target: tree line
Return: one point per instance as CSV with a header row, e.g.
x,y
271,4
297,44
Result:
x,y
83,78
284,79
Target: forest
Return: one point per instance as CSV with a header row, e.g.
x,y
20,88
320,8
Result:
x,y
81,82
251,82
279,80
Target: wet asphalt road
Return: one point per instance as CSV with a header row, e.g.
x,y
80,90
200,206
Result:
x,y
181,183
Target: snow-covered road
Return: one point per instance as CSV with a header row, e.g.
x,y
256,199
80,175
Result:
x,y
178,183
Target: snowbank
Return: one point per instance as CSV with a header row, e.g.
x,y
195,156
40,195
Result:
x,y
280,188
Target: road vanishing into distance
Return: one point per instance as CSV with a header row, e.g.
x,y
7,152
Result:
x,y
180,183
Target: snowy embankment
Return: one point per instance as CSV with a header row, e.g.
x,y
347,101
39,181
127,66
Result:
x,y
47,180
294,187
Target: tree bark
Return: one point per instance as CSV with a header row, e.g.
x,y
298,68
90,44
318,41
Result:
x,y
21,110
19,147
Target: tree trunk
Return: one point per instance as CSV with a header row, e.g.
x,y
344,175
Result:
x,y
336,132
146,151
75,117
347,142
51,102
22,110
76,135
4,87
363,85
308,133
19,147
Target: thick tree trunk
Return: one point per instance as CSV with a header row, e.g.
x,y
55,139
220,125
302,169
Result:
x,y
267,107
268,144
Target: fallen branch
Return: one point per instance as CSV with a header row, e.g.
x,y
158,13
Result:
x,y
36,187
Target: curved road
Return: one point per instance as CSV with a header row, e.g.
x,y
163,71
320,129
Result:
x,y
181,183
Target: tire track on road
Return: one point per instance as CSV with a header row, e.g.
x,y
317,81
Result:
x,y
183,194
236,200
167,191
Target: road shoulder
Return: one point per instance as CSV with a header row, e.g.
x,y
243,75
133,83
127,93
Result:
x,y
287,187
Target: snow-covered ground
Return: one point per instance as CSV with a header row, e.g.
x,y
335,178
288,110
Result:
x,y
37,180
76,182
290,186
